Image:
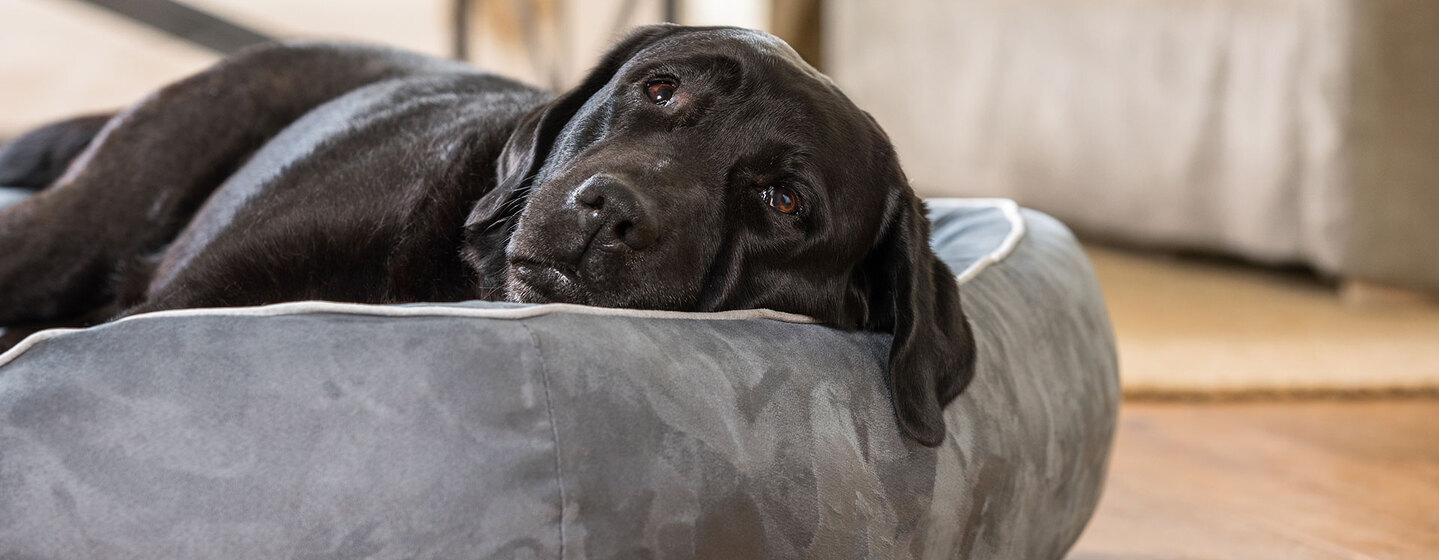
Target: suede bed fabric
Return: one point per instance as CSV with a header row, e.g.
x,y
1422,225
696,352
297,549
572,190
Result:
x,y
11,195
484,430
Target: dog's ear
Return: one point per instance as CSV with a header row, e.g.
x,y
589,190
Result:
x,y
914,295
492,219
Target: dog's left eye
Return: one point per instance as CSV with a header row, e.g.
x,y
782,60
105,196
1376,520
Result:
x,y
783,199
660,91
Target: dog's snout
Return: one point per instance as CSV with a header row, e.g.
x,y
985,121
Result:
x,y
616,214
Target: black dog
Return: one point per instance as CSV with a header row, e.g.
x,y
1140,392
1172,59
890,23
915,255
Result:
x,y
696,169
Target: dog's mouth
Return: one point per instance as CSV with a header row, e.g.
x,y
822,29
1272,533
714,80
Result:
x,y
542,281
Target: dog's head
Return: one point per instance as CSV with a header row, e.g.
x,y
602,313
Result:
x,y
705,169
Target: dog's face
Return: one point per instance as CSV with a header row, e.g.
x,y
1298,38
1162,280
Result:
x,y
705,169
712,171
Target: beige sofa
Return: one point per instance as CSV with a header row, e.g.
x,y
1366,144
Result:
x,y
1282,131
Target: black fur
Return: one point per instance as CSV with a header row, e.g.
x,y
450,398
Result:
x,y
39,157
361,174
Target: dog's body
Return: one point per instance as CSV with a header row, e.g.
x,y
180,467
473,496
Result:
x,y
695,169
240,186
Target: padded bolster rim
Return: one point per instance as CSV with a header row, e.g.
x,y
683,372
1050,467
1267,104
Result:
x,y
1009,208
1017,230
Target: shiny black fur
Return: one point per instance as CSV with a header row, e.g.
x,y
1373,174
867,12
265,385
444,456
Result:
x,y
37,159
362,174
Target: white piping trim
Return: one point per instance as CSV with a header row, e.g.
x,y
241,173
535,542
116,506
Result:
x,y
526,312
1017,231
30,341
1009,207
504,313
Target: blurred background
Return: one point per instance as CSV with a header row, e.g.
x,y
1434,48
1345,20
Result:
x,y
1256,181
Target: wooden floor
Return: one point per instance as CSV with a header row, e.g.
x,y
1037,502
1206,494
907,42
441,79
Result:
x,y
1288,479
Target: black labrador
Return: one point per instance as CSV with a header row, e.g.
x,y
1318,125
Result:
x,y
696,169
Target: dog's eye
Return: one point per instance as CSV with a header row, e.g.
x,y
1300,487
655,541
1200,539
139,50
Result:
x,y
660,91
783,199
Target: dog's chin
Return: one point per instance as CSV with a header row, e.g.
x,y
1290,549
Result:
x,y
534,282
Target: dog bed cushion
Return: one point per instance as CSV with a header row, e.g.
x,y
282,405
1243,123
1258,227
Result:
x,y
484,430
11,195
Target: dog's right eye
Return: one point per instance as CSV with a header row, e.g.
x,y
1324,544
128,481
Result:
x,y
660,91
782,199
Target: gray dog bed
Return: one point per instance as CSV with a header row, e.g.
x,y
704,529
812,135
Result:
x,y
321,430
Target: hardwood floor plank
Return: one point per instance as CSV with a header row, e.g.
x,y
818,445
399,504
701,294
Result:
x,y
1288,479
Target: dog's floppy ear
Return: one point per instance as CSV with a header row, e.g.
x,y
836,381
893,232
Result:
x,y
492,220
914,295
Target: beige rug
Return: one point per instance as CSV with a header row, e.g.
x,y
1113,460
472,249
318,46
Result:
x,y
1194,327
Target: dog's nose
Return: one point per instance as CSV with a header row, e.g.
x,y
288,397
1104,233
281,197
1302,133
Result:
x,y
616,214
